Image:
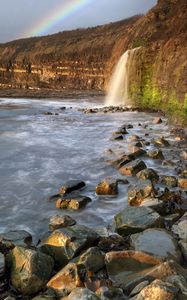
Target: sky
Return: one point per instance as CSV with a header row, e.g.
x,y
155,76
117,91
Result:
x,y
25,18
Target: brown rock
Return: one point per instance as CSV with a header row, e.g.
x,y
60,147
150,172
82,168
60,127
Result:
x,y
60,221
182,182
71,186
137,193
157,120
108,186
132,168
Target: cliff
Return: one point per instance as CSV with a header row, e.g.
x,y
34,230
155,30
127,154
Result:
x,y
84,58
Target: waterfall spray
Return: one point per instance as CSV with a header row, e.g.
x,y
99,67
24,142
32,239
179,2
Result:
x,y
118,93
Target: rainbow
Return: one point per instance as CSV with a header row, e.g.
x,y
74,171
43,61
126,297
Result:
x,y
60,13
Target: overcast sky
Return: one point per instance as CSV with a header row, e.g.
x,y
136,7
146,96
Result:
x,y
18,17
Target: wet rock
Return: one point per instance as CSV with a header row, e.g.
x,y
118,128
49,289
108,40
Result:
x,y
137,193
183,247
10,239
139,287
161,142
180,228
66,279
157,120
71,186
179,282
171,219
155,154
74,203
126,269
92,259
114,242
123,160
182,183
158,290
136,219
155,204
133,138
132,168
121,130
117,137
81,294
48,113
48,295
150,241
105,293
64,243
30,270
135,151
60,221
2,265
148,174
93,281
170,181
108,186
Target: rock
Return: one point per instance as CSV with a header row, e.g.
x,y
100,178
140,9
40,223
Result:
x,y
123,160
183,247
10,239
105,293
30,270
183,155
92,259
137,193
64,243
161,142
157,120
133,138
108,186
121,130
117,137
136,219
114,242
135,151
168,163
75,203
158,290
182,183
60,221
132,168
81,294
2,265
179,282
66,279
148,174
126,268
139,287
157,205
180,228
48,295
150,241
171,219
155,154
71,186
170,181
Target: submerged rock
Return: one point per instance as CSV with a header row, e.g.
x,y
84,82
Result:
x,y
136,219
30,270
132,168
155,154
71,186
148,174
60,221
156,242
137,193
123,160
75,203
108,186
66,280
64,243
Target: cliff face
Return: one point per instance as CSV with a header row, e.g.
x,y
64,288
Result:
x,y
84,58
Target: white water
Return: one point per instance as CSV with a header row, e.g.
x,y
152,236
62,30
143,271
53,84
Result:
x,y
118,93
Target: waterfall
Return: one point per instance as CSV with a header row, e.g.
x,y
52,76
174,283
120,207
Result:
x,y
118,92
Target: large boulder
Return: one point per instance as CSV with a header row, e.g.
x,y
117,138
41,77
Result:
x,y
66,280
158,289
156,242
108,186
92,259
137,193
64,243
30,270
136,219
132,168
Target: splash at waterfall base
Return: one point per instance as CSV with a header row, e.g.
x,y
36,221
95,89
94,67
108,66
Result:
x,y
132,84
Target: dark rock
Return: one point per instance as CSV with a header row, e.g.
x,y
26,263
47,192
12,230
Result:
x,y
71,186
2,265
92,259
48,113
157,120
10,239
136,219
171,219
170,181
114,242
63,244
66,280
117,137
132,168
157,205
137,193
149,241
133,138
30,270
105,293
74,203
161,142
60,221
121,130
139,287
108,186
123,160
148,174
82,294
179,282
